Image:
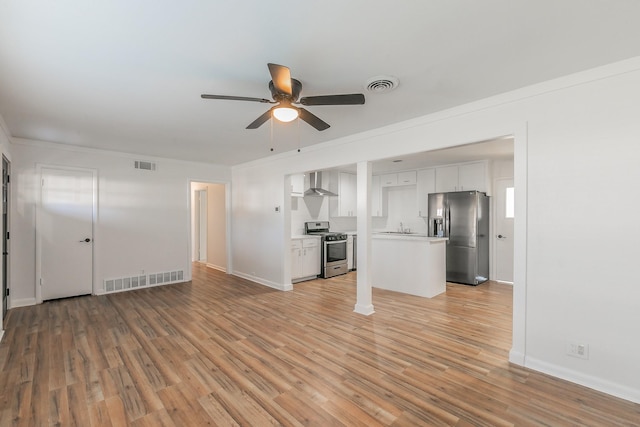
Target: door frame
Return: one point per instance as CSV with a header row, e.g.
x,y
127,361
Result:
x,y
202,233
6,264
39,170
227,220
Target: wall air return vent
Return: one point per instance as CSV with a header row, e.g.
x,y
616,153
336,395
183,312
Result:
x,y
147,166
135,282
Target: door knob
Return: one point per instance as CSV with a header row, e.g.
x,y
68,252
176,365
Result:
x,y
87,240
500,236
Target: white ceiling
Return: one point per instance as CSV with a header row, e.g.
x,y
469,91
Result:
x,y
127,75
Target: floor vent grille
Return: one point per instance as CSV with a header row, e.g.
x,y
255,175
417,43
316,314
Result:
x,y
134,282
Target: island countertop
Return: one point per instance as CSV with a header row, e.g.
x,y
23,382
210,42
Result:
x,y
408,236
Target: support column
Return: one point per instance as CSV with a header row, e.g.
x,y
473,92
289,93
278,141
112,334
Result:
x,y
364,303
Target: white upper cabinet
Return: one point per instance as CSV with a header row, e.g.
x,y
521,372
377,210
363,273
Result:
x,y
378,199
446,179
345,203
400,178
389,180
463,177
426,184
472,176
407,178
297,185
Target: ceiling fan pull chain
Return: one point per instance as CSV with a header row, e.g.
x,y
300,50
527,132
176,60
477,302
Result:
x,y
298,121
271,132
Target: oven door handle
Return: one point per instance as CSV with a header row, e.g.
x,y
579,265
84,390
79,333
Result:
x,y
335,242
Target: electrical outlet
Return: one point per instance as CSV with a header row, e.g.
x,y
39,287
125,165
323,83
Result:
x,y
578,350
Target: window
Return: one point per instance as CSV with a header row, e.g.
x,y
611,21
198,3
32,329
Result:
x,y
509,208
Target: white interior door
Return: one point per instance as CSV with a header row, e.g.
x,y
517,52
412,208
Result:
x,y
65,231
504,197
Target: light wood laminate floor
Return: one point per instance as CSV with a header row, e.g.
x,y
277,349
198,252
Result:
x,y
224,351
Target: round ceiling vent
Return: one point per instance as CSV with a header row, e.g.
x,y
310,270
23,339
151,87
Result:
x,y
381,84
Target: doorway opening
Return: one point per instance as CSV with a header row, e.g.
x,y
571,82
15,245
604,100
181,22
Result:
x,y
209,225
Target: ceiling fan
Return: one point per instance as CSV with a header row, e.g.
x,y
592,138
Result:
x,y
285,92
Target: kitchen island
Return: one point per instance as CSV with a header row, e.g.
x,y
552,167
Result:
x,y
410,263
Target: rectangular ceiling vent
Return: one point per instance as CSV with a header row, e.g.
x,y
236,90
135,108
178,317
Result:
x,y
147,166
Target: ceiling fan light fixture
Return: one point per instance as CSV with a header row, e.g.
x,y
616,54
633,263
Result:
x,y
285,114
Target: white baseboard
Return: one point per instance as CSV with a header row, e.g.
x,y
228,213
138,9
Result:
x,y
23,302
260,281
216,267
516,357
1,335
614,389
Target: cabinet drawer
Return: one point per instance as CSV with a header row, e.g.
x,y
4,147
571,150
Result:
x,y
310,243
296,244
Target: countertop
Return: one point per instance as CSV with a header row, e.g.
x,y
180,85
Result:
x,y
412,237
304,236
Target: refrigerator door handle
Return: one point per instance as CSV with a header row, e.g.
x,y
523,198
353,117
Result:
x,y
449,225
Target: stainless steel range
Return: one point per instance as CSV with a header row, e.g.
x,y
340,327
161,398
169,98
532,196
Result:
x,y
333,256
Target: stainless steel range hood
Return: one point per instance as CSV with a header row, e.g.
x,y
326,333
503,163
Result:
x,y
315,186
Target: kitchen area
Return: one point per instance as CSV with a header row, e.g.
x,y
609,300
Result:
x,y
413,242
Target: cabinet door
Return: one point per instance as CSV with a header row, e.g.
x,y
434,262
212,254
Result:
x,y
446,179
297,185
296,259
407,178
347,194
389,180
376,197
426,184
472,176
311,261
350,252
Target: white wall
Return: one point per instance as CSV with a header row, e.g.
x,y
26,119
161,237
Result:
x,y
402,207
143,217
576,140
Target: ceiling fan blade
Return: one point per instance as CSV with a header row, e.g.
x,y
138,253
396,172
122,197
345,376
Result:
x,y
281,77
260,120
237,98
348,99
313,120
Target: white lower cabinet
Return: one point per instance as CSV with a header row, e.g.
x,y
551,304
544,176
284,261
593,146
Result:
x,y
305,259
349,252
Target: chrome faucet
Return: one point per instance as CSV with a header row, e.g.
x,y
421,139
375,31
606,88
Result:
x,y
401,229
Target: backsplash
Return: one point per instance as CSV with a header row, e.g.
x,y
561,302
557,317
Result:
x,y
402,208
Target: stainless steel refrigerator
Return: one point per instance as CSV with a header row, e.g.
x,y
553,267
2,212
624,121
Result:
x,y
463,217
